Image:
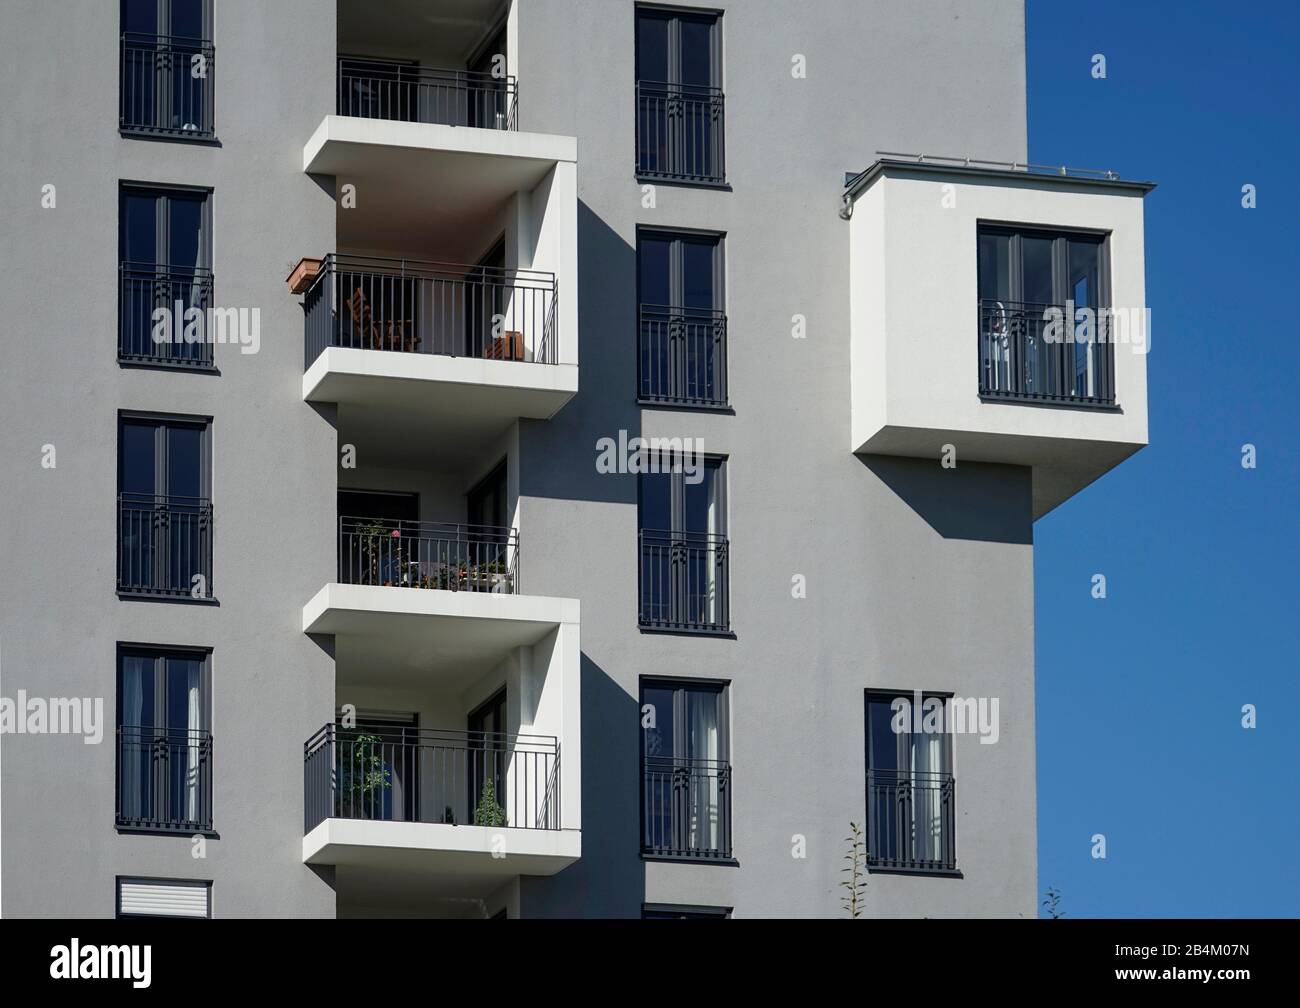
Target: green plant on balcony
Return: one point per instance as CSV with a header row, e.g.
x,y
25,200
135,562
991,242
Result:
x,y
383,554
487,576
489,812
363,778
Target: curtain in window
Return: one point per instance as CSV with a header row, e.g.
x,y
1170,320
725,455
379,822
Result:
x,y
714,527
134,765
702,748
927,813
194,738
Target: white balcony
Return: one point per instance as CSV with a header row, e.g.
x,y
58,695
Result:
x,y
442,655
449,309
954,271
461,860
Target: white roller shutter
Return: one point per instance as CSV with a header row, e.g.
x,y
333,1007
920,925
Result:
x,y
156,898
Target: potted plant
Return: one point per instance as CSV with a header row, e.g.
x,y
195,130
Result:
x,y
495,577
489,812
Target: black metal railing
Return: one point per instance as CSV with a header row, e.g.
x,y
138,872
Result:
x,y
370,303
679,132
164,545
685,807
144,333
682,356
1039,353
166,85
378,89
164,779
431,776
448,555
910,820
683,580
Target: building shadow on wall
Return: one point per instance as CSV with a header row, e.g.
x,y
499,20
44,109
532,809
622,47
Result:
x,y
975,500
607,360
609,879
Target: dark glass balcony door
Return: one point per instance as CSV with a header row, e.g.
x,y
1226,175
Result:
x,y
165,261
686,772
488,532
486,290
164,512
679,99
682,332
163,87
1028,279
372,527
909,788
487,96
164,740
488,755
683,524
378,770
380,89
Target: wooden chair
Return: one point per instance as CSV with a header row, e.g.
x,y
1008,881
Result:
x,y
509,346
365,331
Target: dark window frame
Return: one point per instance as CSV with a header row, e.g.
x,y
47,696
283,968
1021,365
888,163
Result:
x,y
671,91
164,742
680,774
905,866
683,548
675,321
171,49
162,422
159,282
1019,320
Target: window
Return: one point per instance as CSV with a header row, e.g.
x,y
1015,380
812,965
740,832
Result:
x,y
685,773
403,90
167,67
164,741
378,769
682,514
145,897
682,328
909,784
489,754
164,532
669,911
489,524
1027,279
679,102
165,260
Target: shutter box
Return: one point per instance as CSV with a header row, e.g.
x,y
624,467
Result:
x,y
138,897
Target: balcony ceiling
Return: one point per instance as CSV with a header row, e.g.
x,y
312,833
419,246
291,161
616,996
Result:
x,y
424,190
444,33
429,410
416,635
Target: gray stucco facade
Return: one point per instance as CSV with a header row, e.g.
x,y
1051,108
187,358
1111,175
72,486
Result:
x,y
917,577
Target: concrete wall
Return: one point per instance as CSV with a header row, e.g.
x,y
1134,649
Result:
x,y
917,577
273,470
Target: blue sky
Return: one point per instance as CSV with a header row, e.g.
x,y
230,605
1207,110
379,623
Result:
x,y
1139,695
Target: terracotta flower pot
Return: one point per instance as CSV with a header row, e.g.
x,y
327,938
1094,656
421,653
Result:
x,y
304,274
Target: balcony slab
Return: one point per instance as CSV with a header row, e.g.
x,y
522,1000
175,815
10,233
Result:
x,y
457,860
417,633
